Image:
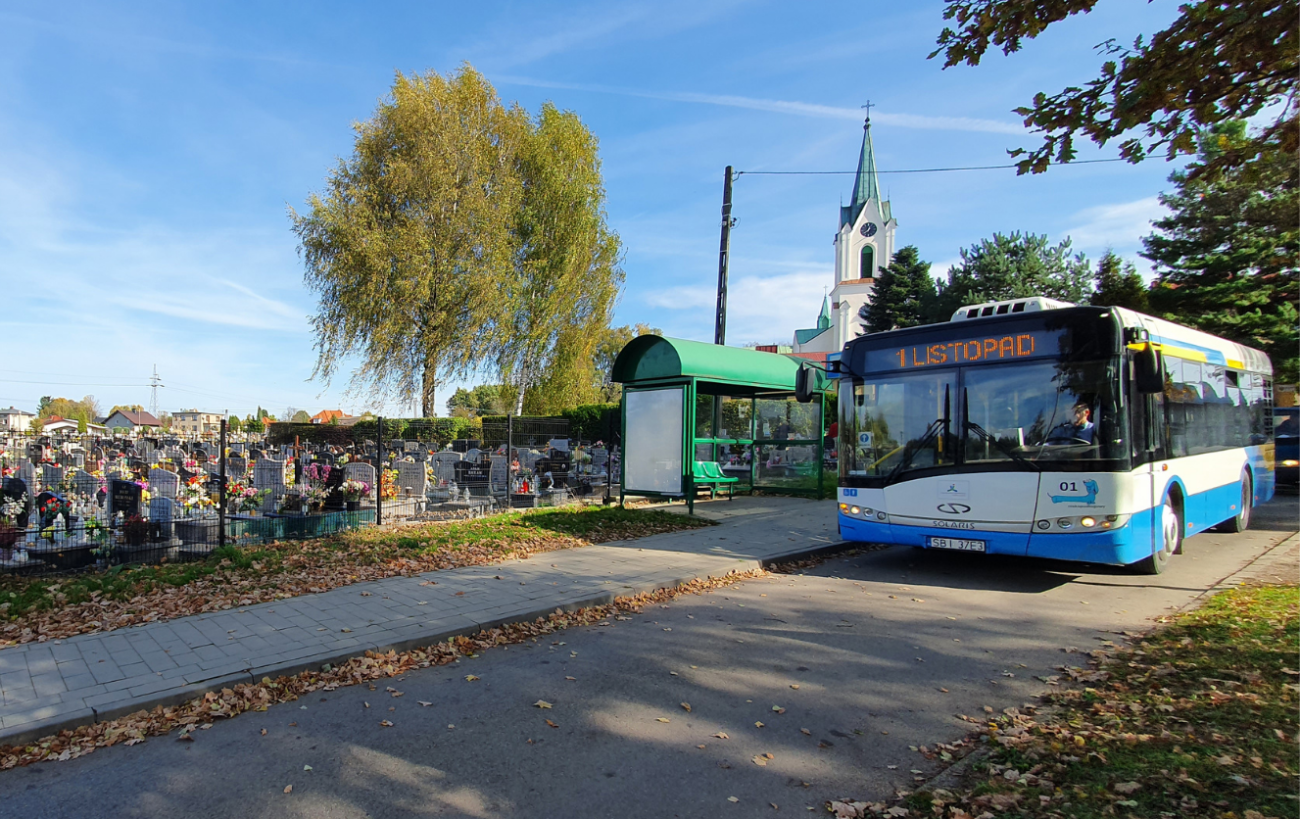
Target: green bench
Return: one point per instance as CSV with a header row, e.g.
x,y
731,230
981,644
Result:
x,y
709,473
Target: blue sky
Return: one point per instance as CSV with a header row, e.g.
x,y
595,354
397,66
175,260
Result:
x,y
149,153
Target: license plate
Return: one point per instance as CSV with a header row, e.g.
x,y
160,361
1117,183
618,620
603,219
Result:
x,y
956,543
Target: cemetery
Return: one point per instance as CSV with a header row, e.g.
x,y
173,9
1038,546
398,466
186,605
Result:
x,y
81,501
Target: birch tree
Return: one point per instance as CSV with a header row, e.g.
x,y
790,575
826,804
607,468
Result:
x,y
566,275
409,249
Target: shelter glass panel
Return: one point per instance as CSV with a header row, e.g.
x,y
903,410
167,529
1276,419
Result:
x,y
653,435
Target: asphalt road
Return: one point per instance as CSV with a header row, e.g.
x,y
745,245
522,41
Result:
x,y
869,640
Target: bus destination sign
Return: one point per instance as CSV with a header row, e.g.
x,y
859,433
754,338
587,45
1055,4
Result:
x,y
980,350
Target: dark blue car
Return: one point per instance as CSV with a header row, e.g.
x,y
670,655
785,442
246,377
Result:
x,y
1286,436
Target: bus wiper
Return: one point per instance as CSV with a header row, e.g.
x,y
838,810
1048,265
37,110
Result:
x,y
1003,448
931,432
969,425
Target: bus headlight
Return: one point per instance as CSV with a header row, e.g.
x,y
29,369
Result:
x,y
853,510
1291,462
880,516
1044,524
1064,523
1087,522
844,507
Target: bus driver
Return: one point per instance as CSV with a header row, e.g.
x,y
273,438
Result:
x,y
1080,430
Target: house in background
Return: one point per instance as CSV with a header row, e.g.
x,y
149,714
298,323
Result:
x,y
196,423
16,420
327,416
134,421
57,423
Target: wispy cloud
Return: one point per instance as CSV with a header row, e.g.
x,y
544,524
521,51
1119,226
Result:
x,y
1120,226
759,308
794,108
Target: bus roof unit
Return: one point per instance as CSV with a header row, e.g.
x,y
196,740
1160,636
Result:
x,y
1034,304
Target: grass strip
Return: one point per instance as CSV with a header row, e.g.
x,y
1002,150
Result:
x,y
44,608
228,703
1197,718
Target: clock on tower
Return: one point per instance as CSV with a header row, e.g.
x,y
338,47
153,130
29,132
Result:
x,y
868,229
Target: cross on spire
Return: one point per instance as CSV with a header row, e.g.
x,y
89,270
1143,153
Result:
x,y
868,106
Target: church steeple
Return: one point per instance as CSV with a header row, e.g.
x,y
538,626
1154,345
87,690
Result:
x,y
824,319
866,186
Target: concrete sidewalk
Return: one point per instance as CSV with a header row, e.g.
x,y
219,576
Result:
x,y
95,677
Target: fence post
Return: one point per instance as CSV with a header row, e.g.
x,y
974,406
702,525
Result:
x,y
221,489
379,473
510,448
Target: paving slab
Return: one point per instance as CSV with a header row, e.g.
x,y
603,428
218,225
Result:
x,y
69,682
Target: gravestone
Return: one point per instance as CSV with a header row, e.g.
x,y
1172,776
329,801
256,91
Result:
x,y
444,466
472,474
84,483
269,473
27,474
51,475
361,471
18,489
236,466
412,476
79,460
162,513
498,472
599,456
164,483
124,497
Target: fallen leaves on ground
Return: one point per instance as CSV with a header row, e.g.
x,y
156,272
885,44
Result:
x,y
1197,717
372,666
48,608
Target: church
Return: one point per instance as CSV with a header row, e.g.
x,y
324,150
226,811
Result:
x,y
864,243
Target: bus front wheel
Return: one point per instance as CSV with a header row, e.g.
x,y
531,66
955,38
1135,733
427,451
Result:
x,y
1241,521
1171,538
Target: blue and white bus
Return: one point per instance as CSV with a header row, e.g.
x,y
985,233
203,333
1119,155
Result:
x,y
1039,428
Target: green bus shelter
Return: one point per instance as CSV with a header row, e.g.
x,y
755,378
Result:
x,y
701,415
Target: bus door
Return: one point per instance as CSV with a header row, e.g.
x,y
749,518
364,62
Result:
x,y
1150,449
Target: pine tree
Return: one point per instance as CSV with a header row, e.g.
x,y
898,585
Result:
x,y
1014,267
1226,255
903,295
1118,284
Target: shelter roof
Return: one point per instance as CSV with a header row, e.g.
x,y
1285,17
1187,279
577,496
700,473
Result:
x,y
654,358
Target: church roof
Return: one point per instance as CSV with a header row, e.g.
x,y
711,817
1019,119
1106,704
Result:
x,y
805,336
824,318
866,184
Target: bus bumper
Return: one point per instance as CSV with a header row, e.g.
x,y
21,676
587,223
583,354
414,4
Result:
x,y
1116,547
996,543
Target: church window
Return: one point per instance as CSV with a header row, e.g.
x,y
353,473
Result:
x,y
868,269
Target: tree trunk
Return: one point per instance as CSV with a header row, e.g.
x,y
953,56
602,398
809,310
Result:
x,y
428,408
519,402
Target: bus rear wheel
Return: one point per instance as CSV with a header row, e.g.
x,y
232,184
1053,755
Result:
x,y
1171,538
1241,521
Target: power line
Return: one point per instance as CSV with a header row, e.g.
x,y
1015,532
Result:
x,y
916,170
67,383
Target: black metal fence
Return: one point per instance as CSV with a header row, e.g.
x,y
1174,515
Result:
x,y
83,501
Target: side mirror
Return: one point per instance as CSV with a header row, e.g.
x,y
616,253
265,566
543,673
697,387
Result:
x,y
805,385
1148,371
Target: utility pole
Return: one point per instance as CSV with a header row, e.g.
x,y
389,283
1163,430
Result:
x,y
724,250
154,383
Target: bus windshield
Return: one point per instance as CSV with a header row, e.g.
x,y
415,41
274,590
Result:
x,y
1017,415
